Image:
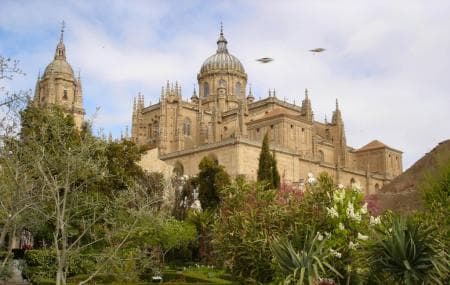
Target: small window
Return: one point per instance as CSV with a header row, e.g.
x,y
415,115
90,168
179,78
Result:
x,y
271,126
292,126
65,95
206,89
303,129
257,130
238,89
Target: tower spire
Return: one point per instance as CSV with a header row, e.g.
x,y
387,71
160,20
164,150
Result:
x,y
221,41
60,52
337,104
61,37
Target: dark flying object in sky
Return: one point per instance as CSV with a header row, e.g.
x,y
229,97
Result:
x,y
265,59
317,50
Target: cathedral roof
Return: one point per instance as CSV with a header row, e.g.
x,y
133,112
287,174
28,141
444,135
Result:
x,y
375,144
222,60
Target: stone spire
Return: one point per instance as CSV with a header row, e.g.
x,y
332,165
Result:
x,y
306,107
194,97
337,116
61,48
221,42
250,97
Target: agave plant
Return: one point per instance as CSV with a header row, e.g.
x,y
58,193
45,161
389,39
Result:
x,y
405,251
308,266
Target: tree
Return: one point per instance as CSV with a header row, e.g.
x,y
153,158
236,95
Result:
x,y
267,167
212,178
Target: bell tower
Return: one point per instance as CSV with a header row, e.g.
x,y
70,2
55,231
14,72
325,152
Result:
x,y
59,86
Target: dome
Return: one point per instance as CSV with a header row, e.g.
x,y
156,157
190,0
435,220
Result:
x,y
59,66
222,60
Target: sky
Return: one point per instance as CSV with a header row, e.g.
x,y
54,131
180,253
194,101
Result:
x,y
387,62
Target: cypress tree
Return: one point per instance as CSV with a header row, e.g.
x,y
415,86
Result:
x,y
267,169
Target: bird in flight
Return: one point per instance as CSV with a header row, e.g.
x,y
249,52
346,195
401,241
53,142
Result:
x,y
265,59
317,50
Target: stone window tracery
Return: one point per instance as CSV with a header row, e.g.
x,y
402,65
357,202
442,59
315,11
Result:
x,y
187,127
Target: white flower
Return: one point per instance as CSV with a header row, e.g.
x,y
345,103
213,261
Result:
x,y
327,234
335,253
340,186
362,237
357,186
364,209
352,245
374,220
339,196
319,236
311,180
341,226
310,175
332,212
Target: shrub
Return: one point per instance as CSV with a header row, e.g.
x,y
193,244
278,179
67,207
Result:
x,y
406,251
309,265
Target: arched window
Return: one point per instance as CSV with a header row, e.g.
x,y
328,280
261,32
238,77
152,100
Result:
x,y
205,89
222,83
377,187
65,95
150,130
187,127
238,89
178,169
155,129
352,181
320,156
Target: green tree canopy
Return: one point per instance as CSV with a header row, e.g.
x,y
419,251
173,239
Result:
x,y
212,177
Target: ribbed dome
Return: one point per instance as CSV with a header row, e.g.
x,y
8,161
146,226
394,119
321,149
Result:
x,y
222,60
59,66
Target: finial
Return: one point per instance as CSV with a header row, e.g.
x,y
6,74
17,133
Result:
x,y
221,28
39,74
274,94
250,90
337,104
306,93
63,25
79,73
326,120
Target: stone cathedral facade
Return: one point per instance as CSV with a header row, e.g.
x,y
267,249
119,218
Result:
x,y
59,86
225,123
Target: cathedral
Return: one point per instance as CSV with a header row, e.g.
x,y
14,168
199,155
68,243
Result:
x,y
225,123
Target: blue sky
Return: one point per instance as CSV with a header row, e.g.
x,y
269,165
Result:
x,y
386,61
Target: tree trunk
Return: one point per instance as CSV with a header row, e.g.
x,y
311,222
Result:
x,y
3,234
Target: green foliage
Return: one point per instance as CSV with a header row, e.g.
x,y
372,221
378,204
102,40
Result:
x,y
40,264
248,220
267,167
435,189
203,221
307,266
121,162
406,251
212,177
